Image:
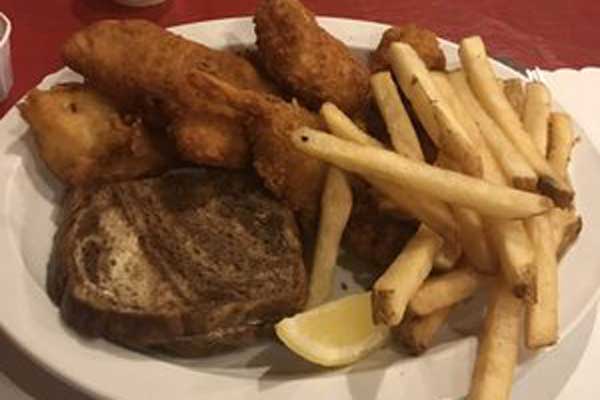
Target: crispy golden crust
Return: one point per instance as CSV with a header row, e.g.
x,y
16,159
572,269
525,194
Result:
x,y
212,140
144,68
289,174
305,59
82,138
137,61
422,40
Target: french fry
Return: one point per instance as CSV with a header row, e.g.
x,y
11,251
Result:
x,y
472,230
560,142
492,172
536,114
510,243
498,347
400,128
448,256
442,83
566,225
418,333
336,204
416,82
517,256
565,222
340,125
432,212
436,214
513,89
476,247
452,187
393,290
508,238
541,322
483,81
418,99
444,290
475,243
514,165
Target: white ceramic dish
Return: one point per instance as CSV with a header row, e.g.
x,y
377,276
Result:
x,y
28,196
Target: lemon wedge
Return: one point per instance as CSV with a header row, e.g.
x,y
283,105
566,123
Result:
x,y
334,334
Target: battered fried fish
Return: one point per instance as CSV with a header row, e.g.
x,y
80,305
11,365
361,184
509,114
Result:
x,y
212,140
305,59
143,66
83,139
422,40
288,173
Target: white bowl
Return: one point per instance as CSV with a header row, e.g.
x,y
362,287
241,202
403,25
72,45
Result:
x,y
6,75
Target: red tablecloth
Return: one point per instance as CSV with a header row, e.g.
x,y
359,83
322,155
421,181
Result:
x,y
546,33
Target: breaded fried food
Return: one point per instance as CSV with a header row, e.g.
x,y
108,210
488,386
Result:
x,y
143,67
136,61
289,174
306,60
83,139
208,139
423,41
212,140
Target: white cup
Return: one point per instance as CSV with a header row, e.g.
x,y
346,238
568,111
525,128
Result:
x,y
139,3
6,75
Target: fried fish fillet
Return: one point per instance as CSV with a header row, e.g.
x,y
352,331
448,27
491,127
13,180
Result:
x,y
423,41
143,67
289,174
211,139
83,139
305,59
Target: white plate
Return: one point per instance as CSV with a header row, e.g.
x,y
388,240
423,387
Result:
x,y
28,196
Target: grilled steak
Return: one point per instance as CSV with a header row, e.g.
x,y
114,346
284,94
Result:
x,y
192,262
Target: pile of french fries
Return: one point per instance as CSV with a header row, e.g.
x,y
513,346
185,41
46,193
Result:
x,y
495,208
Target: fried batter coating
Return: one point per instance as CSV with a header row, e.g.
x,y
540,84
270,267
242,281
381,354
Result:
x,y
289,174
136,61
83,139
143,67
423,41
305,59
212,140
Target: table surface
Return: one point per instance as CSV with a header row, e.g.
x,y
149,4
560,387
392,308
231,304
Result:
x,y
548,34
